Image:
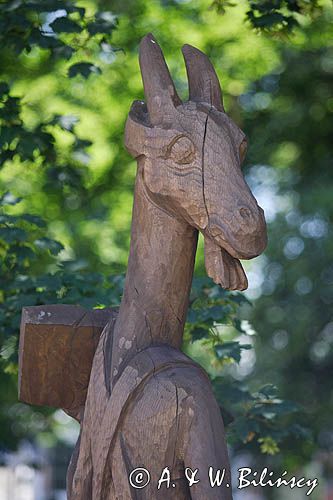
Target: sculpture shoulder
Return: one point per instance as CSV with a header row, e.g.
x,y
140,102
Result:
x,y
169,366
189,377
178,385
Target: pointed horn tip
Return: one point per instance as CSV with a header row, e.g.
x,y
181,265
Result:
x,y
147,39
188,49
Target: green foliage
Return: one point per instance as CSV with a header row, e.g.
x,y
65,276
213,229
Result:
x,y
210,304
83,69
278,16
19,142
59,26
258,420
293,313
231,350
22,242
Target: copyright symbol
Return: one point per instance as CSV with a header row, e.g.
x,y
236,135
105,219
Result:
x,y
139,478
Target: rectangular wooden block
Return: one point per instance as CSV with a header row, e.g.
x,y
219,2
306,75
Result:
x,y
57,346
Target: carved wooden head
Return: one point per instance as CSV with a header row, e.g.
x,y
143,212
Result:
x,y
192,154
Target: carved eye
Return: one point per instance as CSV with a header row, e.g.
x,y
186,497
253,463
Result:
x,y
181,150
242,150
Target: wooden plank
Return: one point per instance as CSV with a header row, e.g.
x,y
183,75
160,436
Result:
x,y
57,346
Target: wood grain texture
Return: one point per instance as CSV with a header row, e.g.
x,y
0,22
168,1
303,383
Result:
x,y
57,346
148,405
162,413
204,86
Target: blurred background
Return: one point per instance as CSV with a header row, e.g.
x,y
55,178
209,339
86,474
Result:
x,y
69,72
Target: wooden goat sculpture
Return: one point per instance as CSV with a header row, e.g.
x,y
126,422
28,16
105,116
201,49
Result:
x,y
148,405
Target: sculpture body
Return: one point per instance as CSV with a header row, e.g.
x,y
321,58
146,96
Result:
x,y
148,405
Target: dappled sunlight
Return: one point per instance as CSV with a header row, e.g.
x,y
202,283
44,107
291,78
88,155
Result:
x,y
66,201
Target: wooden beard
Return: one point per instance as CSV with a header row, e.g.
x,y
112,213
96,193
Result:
x,y
224,269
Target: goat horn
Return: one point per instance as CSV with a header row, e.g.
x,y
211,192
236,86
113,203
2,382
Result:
x,y
204,85
160,93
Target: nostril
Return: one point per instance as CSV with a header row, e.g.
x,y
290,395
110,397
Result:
x,y
245,212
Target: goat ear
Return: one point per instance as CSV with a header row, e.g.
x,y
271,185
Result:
x,y
204,86
160,93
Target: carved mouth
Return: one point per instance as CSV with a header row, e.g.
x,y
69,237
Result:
x,y
224,269
248,244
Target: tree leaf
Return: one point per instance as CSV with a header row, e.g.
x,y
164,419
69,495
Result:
x,y
12,234
23,252
7,135
48,244
33,219
231,350
9,199
268,390
84,69
65,25
4,89
105,22
66,122
199,333
244,428
268,445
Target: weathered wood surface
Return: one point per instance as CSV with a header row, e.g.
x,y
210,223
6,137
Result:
x,y
162,413
148,405
57,346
